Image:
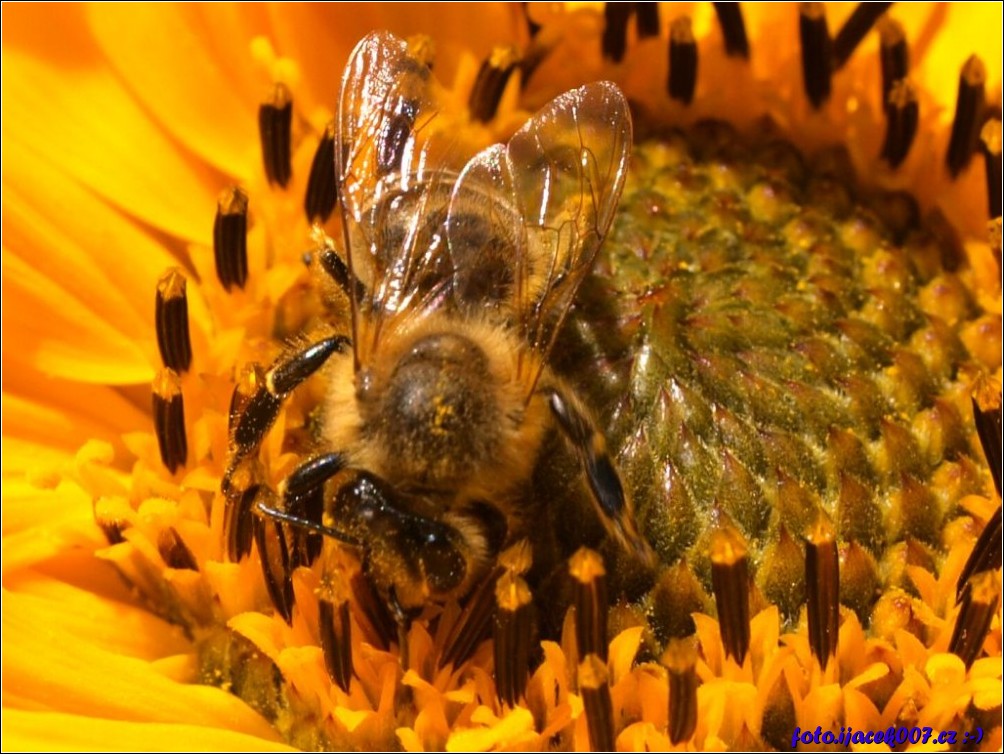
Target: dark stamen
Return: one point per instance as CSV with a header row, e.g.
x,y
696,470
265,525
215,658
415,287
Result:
x,y
979,605
241,492
816,55
373,616
589,582
171,321
532,26
275,121
512,637
730,583
990,145
322,190
969,114
594,687
112,531
682,60
169,419
472,626
893,54
274,554
822,586
901,123
174,551
491,82
854,30
987,414
616,17
730,18
230,231
335,630
680,659
647,21
986,554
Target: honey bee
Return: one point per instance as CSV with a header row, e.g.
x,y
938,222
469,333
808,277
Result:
x,y
459,278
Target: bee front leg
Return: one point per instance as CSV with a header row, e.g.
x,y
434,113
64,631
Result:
x,y
263,406
284,548
302,495
604,481
413,552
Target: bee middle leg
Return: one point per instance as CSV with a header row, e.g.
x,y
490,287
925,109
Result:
x,y
604,482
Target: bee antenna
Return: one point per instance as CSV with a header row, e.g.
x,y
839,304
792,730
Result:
x,y
305,523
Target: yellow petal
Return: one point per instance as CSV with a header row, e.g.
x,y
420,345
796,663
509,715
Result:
x,y
87,246
47,666
53,731
61,336
40,524
167,64
63,414
623,649
515,723
128,629
59,108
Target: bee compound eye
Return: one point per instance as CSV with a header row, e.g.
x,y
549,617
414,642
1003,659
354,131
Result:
x,y
442,562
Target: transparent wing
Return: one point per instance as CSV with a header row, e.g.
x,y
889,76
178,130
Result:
x,y
393,185
526,219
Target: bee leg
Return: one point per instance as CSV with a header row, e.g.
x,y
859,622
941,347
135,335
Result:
x,y
403,619
240,488
374,617
274,550
302,495
338,271
604,482
335,629
263,406
472,627
274,553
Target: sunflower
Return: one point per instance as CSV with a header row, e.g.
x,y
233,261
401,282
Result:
x,y
128,622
